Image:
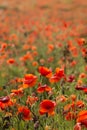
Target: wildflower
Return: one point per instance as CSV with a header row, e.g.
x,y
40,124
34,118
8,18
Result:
x,y
73,97
42,61
59,74
67,108
80,87
80,41
82,118
61,98
50,47
35,63
31,100
86,68
4,99
47,107
44,71
5,102
27,56
74,106
82,75
50,59
71,78
11,61
30,80
80,104
24,112
85,90
73,63
70,116
4,45
17,92
43,88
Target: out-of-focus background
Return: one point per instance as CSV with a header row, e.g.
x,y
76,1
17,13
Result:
x,y
67,10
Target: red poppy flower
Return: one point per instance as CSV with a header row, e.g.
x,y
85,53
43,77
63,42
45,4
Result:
x,y
30,80
67,108
70,116
85,90
5,99
71,78
59,74
11,61
54,79
79,104
43,88
44,71
73,106
5,102
31,100
3,46
47,107
82,117
17,92
82,75
80,41
25,112
79,87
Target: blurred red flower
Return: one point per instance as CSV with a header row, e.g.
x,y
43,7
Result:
x,y
25,112
59,74
44,71
43,88
70,116
30,80
47,107
18,92
31,100
11,61
82,118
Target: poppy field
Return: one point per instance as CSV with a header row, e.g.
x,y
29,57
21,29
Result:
x,y
43,65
